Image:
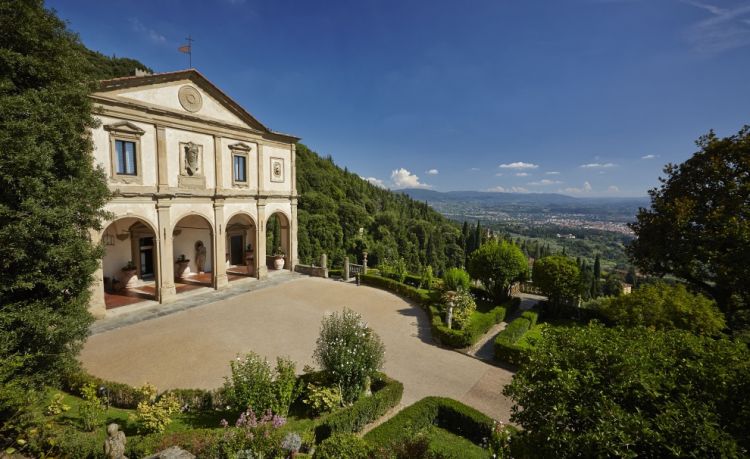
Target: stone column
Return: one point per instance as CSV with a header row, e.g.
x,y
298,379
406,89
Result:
x,y
323,260
364,262
346,269
218,166
293,255
97,306
261,173
220,259
165,277
161,158
261,270
294,170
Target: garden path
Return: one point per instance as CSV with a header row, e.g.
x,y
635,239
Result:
x,y
485,348
192,347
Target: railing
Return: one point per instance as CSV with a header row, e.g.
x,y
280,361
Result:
x,y
529,287
356,269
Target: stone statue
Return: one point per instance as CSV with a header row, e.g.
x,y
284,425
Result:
x,y
200,256
114,444
192,159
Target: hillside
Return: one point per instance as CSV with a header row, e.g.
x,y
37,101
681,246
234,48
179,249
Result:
x,y
340,214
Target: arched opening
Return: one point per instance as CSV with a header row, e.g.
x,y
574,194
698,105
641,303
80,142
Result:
x,y
278,247
192,242
129,264
240,247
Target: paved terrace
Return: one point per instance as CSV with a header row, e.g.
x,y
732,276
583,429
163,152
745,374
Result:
x,y
192,345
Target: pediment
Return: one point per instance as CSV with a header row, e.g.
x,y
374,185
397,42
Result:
x,y
241,146
124,127
185,93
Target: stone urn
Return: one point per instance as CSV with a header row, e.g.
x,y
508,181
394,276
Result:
x,y
182,268
278,262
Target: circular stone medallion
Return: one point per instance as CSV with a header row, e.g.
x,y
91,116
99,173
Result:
x,y
190,98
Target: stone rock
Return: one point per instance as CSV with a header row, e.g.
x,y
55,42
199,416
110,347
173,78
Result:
x,y
173,452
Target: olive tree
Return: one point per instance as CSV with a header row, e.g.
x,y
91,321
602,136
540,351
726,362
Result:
x,y
497,265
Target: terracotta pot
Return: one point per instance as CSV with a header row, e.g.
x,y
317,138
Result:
x,y
183,269
129,279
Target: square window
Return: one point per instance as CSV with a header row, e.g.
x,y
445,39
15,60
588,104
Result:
x,y
126,159
240,168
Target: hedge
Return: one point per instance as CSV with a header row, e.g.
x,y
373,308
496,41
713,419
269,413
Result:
x,y
445,413
531,316
506,349
479,324
125,396
386,394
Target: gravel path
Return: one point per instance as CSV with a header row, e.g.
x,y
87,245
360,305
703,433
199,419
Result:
x,y
192,347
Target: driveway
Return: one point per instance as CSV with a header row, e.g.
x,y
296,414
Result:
x,y
192,348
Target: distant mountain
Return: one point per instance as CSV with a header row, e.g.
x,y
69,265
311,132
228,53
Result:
x,y
491,197
489,206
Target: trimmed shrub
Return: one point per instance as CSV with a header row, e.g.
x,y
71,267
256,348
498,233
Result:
x,y
456,279
421,297
505,347
343,445
386,394
445,413
531,316
120,395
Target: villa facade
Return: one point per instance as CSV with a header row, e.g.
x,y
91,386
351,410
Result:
x,y
198,183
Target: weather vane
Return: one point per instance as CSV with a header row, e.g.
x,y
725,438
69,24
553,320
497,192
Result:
x,y
188,49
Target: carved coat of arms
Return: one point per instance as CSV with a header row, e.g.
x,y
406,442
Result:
x,y
192,159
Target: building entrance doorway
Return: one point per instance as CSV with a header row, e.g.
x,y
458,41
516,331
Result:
x,y
146,245
237,249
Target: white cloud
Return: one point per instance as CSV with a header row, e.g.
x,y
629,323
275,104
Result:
x,y
432,172
374,181
519,165
141,29
522,174
722,30
597,165
513,189
552,173
402,178
545,182
649,156
474,169
612,189
586,188
499,174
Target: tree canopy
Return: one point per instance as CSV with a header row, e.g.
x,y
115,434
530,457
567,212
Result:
x,y
341,214
607,392
558,277
497,265
698,226
663,307
51,196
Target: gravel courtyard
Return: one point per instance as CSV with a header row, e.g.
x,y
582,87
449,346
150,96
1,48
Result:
x,y
192,348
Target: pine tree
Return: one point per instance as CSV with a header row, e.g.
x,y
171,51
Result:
x,y
51,196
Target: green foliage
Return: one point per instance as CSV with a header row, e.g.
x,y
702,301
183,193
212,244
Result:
x,y
386,394
321,399
445,413
663,307
497,265
91,410
558,278
51,195
57,406
154,415
427,279
350,351
596,391
395,269
697,227
343,445
463,307
532,316
393,224
455,279
506,347
253,384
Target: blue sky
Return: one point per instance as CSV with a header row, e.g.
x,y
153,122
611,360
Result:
x,y
584,97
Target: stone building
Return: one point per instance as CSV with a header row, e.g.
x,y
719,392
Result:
x,y
197,181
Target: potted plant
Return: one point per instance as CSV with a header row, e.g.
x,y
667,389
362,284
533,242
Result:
x,y
182,267
278,258
128,275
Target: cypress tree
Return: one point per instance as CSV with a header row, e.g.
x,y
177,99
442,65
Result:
x,y
51,197
597,268
478,236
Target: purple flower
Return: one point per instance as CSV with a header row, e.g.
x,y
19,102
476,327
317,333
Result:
x,y
224,423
